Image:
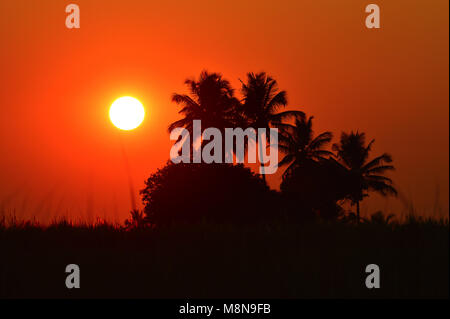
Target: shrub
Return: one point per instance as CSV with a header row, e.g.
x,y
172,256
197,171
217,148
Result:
x,y
186,193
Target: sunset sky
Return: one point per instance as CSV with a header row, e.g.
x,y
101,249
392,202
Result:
x,y
60,154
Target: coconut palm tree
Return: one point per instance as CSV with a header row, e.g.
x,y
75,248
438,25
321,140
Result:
x,y
364,175
211,100
262,99
300,146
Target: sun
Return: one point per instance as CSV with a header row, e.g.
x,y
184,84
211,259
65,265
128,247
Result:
x,y
126,113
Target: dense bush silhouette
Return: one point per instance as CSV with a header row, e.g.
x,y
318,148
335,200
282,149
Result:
x,y
185,193
315,188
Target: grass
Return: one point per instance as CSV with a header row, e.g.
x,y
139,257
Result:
x,y
268,260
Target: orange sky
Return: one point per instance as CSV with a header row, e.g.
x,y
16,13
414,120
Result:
x,y
61,155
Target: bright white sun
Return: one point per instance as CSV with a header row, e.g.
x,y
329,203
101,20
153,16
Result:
x,y
126,113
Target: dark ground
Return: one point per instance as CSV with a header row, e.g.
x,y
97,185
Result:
x,y
317,260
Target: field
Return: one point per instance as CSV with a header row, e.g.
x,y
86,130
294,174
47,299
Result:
x,y
268,260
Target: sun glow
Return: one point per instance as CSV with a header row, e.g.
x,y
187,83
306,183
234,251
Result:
x,y
126,113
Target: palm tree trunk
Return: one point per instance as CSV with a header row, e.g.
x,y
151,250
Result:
x,y
357,211
260,162
261,156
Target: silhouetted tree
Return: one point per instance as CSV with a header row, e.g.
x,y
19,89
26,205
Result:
x,y
300,146
364,175
188,193
211,100
315,187
262,100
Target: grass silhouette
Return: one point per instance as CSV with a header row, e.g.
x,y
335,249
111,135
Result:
x,y
279,259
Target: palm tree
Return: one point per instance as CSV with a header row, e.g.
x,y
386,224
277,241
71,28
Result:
x,y
210,99
262,99
300,146
364,175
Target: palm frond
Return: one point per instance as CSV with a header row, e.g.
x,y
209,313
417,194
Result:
x,y
286,160
382,187
379,178
380,169
277,101
377,161
321,140
180,123
279,117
